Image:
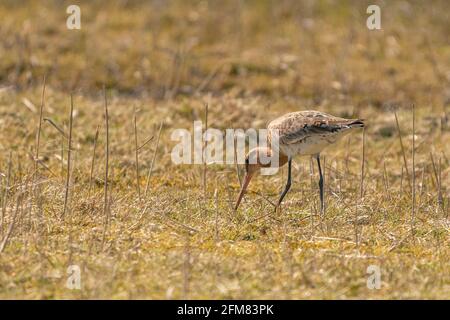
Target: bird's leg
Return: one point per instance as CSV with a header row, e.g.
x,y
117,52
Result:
x,y
288,184
322,207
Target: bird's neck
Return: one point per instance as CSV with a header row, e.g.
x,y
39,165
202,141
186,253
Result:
x,y
282,158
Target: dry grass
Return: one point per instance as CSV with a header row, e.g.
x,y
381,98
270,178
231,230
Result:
x,y
249,61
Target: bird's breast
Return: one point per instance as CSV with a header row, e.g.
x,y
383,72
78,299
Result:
x,y
307,146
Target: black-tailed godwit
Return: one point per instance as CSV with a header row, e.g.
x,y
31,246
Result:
x,y
299,133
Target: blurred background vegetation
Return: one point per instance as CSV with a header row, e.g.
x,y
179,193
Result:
x,y
316,50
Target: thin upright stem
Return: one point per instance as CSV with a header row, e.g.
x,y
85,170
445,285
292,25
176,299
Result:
x,y
69,153
413,213
105,205
153,160
136,155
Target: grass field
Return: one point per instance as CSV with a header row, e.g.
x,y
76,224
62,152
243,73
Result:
x,y
173,234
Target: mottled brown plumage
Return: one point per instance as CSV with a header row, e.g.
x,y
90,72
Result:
x,y
308,132
299,133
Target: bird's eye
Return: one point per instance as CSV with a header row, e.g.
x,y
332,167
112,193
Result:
x,y
246,164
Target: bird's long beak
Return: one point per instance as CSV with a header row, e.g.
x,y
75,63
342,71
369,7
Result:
x,y
247,179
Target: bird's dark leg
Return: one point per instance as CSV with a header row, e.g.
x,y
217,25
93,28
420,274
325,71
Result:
x,y
322,207
288,184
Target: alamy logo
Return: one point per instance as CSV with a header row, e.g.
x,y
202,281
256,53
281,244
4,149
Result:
x,y
74,20
374,20
215,147
74,280
374,279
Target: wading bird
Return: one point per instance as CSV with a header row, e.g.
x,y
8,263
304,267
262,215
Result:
x,y
299,133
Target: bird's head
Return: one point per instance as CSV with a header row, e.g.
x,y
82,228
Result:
x,y
252,165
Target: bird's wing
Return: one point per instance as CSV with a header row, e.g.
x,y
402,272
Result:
x,y
297,126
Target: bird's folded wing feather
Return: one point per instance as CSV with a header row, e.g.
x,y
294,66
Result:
x,y
293,130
